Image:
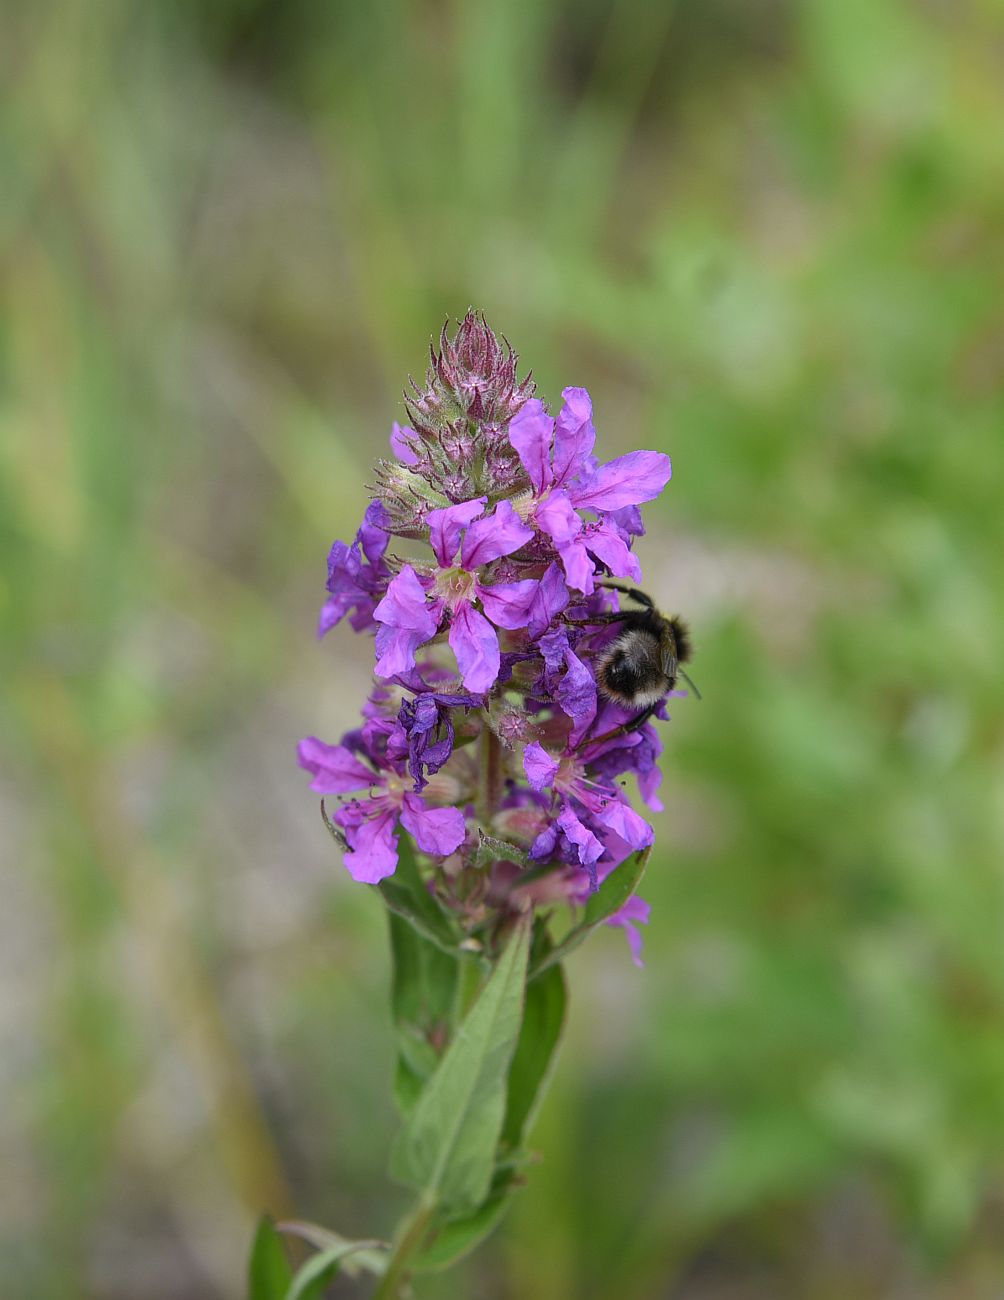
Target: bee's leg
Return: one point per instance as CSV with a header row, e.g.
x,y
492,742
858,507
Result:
x,y
638,596
595,619
624,729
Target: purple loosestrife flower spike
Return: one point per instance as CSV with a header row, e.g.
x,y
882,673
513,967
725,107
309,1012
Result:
x,y
489,739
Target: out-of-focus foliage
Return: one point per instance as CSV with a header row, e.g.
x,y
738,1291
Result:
x,y
769,238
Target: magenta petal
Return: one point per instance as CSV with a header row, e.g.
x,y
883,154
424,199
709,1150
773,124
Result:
x,y
550,600
476,646
580,571
576,692
530,433
405,605
372,535
408,619
543,845
648,786
488,539
508,604
539,766
609,547
395,651
574,435
556,516
627,521
622,819
373,847
588,847
402,440
435,830
445,526
335,769
333,611
627,481
553,647
634,912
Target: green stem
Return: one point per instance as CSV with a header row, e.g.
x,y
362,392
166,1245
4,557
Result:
x,y
468,987
491,776
409,1238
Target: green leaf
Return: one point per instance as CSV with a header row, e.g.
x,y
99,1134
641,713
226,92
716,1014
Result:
x,y
543,1021
447,1146
408,1085
369,1256
424,982
423,995
313,1276
406,895
457,1237
491,849
608,899
269,1273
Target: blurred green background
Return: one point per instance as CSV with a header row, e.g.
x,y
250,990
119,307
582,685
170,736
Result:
x,y
769,237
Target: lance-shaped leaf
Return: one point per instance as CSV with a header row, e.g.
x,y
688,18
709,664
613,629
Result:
x,y
423,995
608,899
311,1280
368,1257
458,1237
406,894
269,1273
447,1147
543,1021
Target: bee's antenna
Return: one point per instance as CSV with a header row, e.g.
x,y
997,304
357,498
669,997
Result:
x,y
682,674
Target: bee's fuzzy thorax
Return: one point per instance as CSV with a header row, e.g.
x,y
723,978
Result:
x,y
629,669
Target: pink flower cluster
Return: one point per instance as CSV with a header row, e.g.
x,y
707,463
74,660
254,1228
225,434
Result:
x,y
487,739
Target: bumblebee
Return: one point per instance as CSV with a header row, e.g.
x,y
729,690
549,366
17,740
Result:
x,y
641,665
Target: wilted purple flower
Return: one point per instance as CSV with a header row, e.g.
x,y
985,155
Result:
x,y
357,574
426,723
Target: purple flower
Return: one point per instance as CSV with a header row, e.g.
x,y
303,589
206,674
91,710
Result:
x,y
403,443
407,621
557,457
569,681
586,809
370,824
539,766
633,751
523,522
357,574
413,609
634,911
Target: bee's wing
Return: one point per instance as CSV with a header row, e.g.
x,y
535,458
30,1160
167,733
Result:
x,y
667,653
